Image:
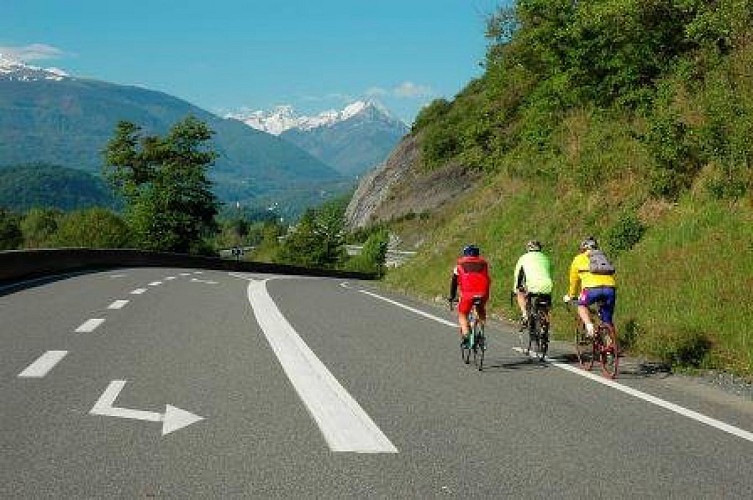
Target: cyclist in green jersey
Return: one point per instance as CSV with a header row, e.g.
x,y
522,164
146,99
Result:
x,y
533,276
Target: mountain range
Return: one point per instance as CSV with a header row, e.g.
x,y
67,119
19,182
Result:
x,y
50,117
352,140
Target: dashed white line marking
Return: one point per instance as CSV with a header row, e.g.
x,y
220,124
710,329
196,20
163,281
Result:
x,y
185,274
345,425
155,283
611,383
117,276
118,304
170,278
138,291
43,364
89,325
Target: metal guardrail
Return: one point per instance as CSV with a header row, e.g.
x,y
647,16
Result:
x,y
18,265
394,258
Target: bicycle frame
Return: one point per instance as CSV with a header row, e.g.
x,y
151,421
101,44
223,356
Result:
x,y
603,345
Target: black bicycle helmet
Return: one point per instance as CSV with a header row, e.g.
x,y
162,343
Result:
x,y
471,251
533,246
589,243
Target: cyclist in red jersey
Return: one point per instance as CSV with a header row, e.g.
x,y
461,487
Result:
x,y
471,275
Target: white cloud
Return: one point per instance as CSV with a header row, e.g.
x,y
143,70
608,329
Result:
x,y
375,92
410,90
406,90
33,52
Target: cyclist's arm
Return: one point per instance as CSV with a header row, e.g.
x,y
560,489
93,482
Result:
x,y
454,285
572,290
518,275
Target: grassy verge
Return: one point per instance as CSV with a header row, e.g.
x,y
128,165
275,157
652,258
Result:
x,y
682,290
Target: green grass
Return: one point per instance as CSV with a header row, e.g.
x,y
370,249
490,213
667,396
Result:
x,y
683,290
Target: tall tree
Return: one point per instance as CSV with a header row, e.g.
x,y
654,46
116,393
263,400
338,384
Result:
x,y
164,182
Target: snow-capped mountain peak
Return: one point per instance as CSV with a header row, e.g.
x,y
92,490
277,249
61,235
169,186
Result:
x,y
12,69
284,118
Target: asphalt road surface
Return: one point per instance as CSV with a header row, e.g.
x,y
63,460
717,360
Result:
x,y
172,383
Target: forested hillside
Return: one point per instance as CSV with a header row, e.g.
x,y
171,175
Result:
x,y
27,186
630,120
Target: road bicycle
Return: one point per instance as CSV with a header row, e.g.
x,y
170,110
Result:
x,y
537,307
602,345
475,343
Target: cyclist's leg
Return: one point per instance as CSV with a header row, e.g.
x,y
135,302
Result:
x,y
584,300
481,308
464,307
608,296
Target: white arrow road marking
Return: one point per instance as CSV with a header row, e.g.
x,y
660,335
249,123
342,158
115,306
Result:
x,y
90,325
43,364
118,304
345,425
138,291
173,419
718,424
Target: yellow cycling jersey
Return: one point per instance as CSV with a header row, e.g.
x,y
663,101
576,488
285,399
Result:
x,y
579,275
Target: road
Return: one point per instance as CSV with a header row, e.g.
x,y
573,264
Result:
x,y
205,384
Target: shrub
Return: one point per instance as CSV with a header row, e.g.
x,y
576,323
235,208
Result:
x,y
92,228
625,233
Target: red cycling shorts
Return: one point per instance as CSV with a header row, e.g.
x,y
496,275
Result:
x,y
466,303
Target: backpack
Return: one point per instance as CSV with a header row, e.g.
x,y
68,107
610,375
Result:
x,y
598,263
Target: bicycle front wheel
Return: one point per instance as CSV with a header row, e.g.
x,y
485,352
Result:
x,y
609,353
584,347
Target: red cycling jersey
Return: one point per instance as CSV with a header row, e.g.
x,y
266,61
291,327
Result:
x,y
473,281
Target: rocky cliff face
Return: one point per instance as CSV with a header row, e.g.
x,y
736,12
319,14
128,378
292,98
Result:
x,y
399,187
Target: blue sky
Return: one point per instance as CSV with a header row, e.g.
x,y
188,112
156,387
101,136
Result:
x,y
224,55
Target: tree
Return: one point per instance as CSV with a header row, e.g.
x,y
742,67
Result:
x,y
10,230
373,254
318,240
39,226
164,182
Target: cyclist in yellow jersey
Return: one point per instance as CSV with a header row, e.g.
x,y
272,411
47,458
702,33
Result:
x,y
593,287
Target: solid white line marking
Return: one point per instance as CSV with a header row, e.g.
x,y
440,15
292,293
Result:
x,y
345,425
138,291
89,325
118,304
417,311
718,424
155,283
43,364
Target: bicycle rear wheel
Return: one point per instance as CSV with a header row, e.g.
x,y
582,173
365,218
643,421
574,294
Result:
x,y
479,348
467,347
609,353
584,347
542,326
533,336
